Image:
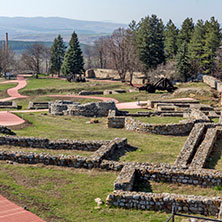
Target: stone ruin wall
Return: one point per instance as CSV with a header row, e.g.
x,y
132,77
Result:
x,y
213,82
98,109
124,196
112,74
101,150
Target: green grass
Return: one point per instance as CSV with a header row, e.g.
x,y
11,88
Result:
x,y
159,120
4,87
151,147
66,195
57,86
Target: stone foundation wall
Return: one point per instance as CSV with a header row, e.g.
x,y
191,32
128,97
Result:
x,y
164,201
175,129
8,105
116,122
98,109
94,161
38,105
213,82
124,196
51,144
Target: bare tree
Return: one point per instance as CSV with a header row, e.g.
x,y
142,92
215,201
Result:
x,y
101,52
33,57
7,60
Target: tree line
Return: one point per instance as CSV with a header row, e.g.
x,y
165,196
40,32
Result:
x,y
147,46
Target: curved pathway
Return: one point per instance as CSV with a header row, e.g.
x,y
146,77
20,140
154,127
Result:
x,y
7,118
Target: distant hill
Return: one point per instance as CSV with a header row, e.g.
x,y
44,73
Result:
x,y
47,28
20,46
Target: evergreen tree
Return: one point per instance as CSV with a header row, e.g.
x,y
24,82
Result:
x,y
170,33
182,62
57,55
185,31
196,46
150,42
211,44
73,62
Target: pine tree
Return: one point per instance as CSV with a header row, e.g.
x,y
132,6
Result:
x,y
73,62
211,44
57,55
196,46
182,62
170,33
150,42
185,31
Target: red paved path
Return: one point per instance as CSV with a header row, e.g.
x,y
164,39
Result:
x,y
10,212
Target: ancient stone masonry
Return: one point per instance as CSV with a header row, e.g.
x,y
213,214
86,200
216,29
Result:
x,y
164,202
124,196
51,144
5,130
98,109
213,82
199,145
8,105
175,129
103,151
38,105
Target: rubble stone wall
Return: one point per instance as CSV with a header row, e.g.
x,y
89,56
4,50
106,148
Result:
x,y
175,129
213,82
93,161
164,201
51,144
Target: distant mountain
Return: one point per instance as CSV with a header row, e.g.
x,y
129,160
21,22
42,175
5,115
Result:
x,y
47,28
20,46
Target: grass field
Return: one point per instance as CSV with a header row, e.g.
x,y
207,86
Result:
x,y
4,87
151,147
60,194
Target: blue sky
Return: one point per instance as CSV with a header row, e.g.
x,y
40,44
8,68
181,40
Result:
x,y
122,11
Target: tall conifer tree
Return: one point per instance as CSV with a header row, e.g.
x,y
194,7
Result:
x,y
170,33
150,42
196,46
73,62
57,55
185,31
182,62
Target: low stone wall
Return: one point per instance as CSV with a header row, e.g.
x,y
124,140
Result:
x,y
138,78
38,105
59,106
86,93
51,144
199,145
93,161
183,103
116,122
8,105
164,201
175,129
204,149
189,149
213,82
123,195
5,130
98,109
107,150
